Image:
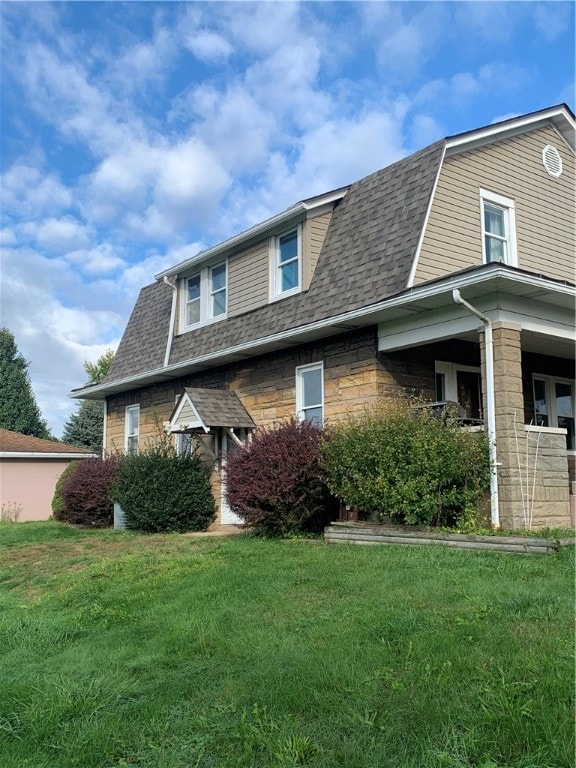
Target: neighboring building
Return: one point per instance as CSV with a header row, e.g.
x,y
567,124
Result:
x,y
29,470
347,298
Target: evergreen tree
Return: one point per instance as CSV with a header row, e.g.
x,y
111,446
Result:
x,y
19,411
85,427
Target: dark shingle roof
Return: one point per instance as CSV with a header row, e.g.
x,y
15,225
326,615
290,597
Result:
x,y
218,407
367,255
143,344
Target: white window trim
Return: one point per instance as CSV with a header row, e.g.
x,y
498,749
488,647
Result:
x,y
450,380
128,434
300,405
549,382
508,205
206,295
274,249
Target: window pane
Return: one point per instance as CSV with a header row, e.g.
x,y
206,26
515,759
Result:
x,y
219,303
219,278
564,399
540,407
193,312
314,415
440,387
565,410
312,388
194,288
133,420
469,393
494,220
289,274
495,249
289,247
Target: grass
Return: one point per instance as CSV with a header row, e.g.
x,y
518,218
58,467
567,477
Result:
x,y
128,651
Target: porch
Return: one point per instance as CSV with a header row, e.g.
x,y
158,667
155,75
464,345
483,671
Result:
x,y
530,384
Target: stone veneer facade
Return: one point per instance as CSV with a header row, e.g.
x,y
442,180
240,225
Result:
x,y
353,377
357,376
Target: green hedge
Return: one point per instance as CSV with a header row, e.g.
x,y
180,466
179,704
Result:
x,y
160,491
404,463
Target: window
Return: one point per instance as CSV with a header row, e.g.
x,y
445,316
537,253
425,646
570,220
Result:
x,y
554,405
310,393
132,428
498,229
205,296
460,384
183,443
286,264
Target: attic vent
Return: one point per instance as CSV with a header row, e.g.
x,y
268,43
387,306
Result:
x,y
552,160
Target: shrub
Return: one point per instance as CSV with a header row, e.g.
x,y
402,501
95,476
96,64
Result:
x,y
406,464
275,483
86,493
160,491
57,499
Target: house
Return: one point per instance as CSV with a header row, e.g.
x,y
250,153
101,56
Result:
x,y
449,273
29,470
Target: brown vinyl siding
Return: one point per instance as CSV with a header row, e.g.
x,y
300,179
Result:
x,y
248,281
513,168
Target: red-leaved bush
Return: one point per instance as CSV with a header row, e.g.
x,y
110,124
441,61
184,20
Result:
x,y
275,483
87,493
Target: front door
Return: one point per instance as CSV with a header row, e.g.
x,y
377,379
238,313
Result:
x,y
227,516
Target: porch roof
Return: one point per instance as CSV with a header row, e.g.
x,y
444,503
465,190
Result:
x,y
205,408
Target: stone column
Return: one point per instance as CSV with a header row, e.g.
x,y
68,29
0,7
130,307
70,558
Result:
x,y
515,456
509,405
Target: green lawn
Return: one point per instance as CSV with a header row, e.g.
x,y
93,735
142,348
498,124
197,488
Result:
x,y
181,652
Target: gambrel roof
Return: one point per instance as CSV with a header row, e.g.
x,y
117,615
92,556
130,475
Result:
x,y
367,256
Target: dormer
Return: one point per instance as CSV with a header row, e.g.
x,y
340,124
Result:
x,y
267,263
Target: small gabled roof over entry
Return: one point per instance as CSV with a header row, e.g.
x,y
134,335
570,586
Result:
x,y
206,408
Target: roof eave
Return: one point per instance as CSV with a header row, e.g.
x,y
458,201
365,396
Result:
x,y
370,314
560,116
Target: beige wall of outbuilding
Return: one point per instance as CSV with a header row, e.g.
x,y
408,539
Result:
x,y
27,485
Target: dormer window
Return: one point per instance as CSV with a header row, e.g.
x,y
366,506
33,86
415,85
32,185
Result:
x,y
205,296
286,263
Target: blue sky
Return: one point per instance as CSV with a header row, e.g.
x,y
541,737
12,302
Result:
x,y
135,134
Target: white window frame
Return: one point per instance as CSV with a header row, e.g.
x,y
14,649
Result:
x,y
549,382
128,436
301,406
276,291
450,373
206,297
507,205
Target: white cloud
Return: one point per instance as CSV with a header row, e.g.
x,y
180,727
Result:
x,y
552,19
60,235
25,192
101,260
208,46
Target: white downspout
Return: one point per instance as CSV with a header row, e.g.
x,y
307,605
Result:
x,y
490,405
172,319
105,428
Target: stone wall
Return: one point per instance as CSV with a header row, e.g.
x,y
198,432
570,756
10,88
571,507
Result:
x,y
354,377
541,497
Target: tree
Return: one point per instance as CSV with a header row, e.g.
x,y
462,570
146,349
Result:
x,y
19,411
85,427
